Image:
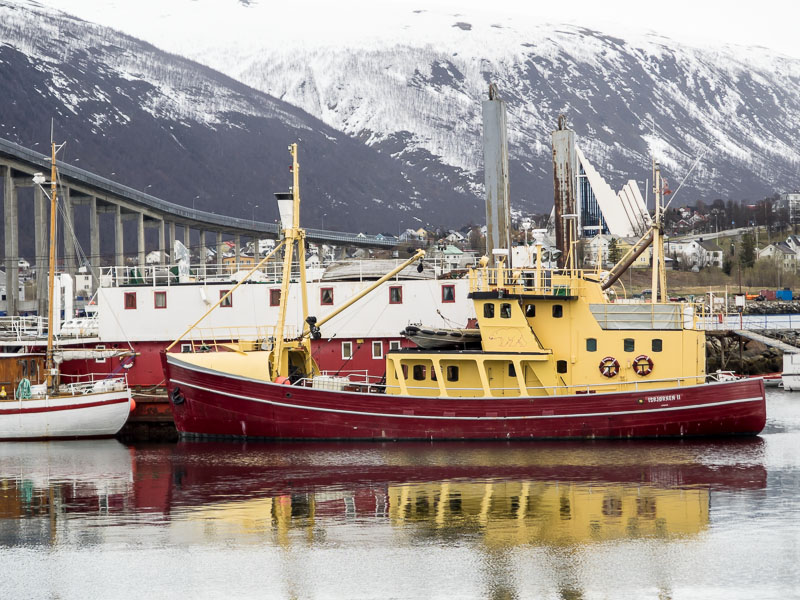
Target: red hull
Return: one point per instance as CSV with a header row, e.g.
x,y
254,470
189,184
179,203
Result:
x,y
218,404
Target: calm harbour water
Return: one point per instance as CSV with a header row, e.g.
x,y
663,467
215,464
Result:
x,y
692,519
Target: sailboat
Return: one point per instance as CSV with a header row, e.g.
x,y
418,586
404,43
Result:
x,y
558,360
35,403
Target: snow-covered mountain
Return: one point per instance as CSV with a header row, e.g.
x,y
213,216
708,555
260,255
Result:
x,y
406,83
188,134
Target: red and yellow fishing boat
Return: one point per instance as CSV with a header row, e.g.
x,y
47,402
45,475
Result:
x,y
558,360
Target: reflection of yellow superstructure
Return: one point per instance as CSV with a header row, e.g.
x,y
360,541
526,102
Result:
x,y
503,513
550,513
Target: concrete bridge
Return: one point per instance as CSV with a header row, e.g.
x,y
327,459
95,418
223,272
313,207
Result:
x,y
82,188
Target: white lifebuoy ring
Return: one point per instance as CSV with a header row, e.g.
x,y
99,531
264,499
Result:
x,y
609,367
643,365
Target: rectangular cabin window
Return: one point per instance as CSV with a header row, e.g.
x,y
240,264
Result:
x,y
377,349
160,299
452,373
394,345
433,373
530,310
395,294
419,372
275,297
512,371
628,344
561,366
99,360
186,348
448,293
488,310
326,296
405,371
347,350
228,302
558,311
591,345
505,310
130,300
657,345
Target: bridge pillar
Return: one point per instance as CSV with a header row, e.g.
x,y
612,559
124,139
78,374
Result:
x,y
119,244
187,238
94,242
237,242
11,226
219,252
171,240
70,259
161,253
140,238
201,249
42,249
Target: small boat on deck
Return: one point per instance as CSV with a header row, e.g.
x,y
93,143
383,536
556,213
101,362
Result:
x,y
557,360
440,338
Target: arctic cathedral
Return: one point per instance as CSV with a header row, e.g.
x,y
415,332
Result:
x,y
585,202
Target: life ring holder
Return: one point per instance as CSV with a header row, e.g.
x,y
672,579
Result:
x,y
643,365
609,367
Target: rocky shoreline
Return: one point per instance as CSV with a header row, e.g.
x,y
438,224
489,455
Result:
x,y
723,352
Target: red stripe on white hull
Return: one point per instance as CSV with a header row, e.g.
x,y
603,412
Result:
x,y
92,415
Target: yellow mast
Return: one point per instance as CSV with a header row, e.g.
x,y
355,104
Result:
x,y
49,362
292,233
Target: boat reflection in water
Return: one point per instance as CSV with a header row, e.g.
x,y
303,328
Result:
x,y
44,485
506,495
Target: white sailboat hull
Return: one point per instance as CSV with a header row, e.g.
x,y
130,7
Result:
x,y
65,416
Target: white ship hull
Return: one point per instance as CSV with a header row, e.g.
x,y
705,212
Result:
x,y
79,416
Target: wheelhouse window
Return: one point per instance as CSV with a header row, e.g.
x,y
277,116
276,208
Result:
x,y
274,297
377,349
227,302
419,372
512,371
130,300
628,345
558,311
505,310
186,348
160,299
448,293
530,310
488,310
591,345
452,373
326,296
394,345
395,294
347,350
657,345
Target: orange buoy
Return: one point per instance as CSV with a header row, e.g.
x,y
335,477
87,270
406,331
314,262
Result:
x,y
281,380
133,405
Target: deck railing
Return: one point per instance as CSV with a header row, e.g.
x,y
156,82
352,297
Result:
x,y
372,384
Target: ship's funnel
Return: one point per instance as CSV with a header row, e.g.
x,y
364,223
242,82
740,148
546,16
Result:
x,y
564,172
495,158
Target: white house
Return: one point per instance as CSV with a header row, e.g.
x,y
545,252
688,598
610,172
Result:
x,y
782,254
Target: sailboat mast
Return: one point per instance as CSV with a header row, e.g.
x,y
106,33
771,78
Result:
x,y
49,362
